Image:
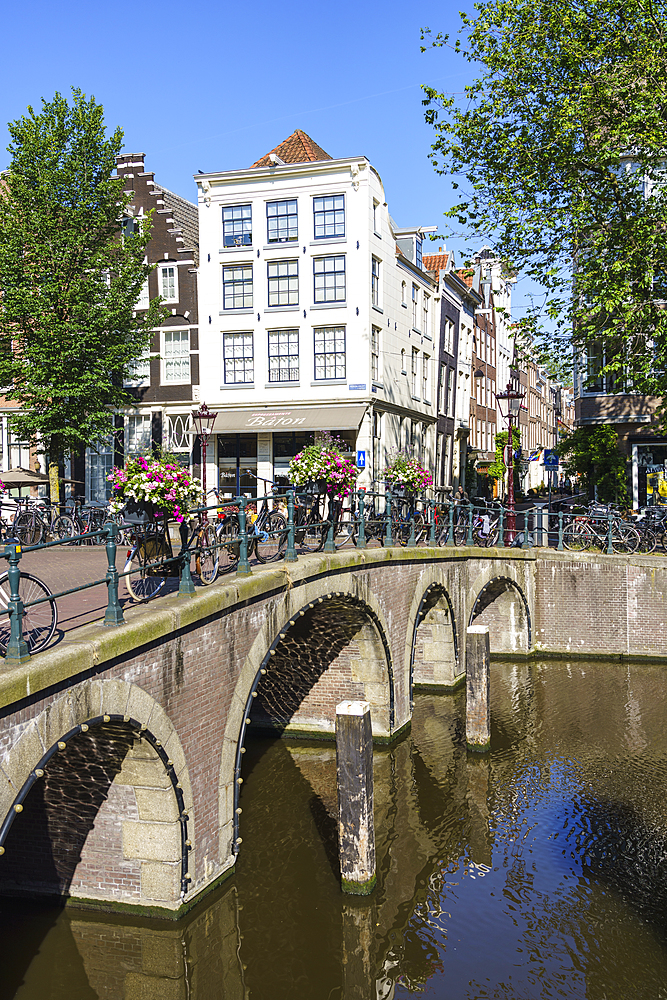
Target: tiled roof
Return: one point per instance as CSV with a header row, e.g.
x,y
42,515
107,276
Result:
x,y
466,274
298,148
185,216
435,261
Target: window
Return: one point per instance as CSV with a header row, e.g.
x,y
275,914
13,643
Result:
x,y
329,274
237,287
283,282
144,299
413,381
415,306
375,353
139,372
237,226
425,365
375,281
376,217
404,294
281,221
329,216
176,356
168,283
238,358
283,356
177,436
329,352
418,252
450,394
425,304
138,436
442,389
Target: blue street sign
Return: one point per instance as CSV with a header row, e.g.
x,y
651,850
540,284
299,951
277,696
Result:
x,y
550,459
361,459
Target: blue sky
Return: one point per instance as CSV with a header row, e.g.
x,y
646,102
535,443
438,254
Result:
x,y
215,86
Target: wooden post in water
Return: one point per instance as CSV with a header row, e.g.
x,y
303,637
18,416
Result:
x,y
354,766
478,719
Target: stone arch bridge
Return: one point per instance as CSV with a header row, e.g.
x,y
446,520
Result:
x,y
121,749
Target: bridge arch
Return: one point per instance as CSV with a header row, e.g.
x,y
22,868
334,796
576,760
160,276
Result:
x,y
501,603
432,639
316,648
97,803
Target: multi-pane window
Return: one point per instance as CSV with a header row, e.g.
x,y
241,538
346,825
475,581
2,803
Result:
x,y
283,282
283,356
375,353
329,213
413,373
237,226
425,365
177,436
442,389
426,301
139,371
169,283
281,221
238,357
176,356
418,252
450,392
329,276
138,434
329,352
237,286
415,306
375,281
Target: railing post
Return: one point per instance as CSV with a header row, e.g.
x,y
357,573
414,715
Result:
x,y
501,528
330,545
243,568
186,587
450,533
469,539
526,535
560,531
114,612
610,547
412,539
388,540
17,648
432,539
361,534
290,553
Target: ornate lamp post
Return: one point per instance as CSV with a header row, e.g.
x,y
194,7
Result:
x,y
511,399
203,420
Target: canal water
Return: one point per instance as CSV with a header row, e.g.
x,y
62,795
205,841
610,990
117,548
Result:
x,y
537,870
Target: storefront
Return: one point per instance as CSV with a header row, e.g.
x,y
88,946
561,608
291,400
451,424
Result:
x,y
649,474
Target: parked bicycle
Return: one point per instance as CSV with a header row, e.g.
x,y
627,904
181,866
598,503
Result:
x,y
591,529
39,620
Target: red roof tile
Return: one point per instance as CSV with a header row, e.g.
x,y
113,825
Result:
x,y
466,274
435,261
297,148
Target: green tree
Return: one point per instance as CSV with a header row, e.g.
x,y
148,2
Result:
x,y
71,271
592,453
555,148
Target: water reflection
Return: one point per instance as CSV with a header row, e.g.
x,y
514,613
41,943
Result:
x,y
538,870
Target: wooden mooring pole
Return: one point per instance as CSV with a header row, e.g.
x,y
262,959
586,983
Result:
x,y
478,718
354,767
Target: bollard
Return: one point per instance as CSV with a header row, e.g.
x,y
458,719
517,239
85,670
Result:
x,y
560,531
17,647
243,568
361,536
114,612
470,540
432,539
388,540
501,528
451,541
354,769
478,719
290,552
186,587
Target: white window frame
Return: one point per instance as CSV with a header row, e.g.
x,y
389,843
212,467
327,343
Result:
x,y
376,270
415,306
376,340
142,372
147,421
185,420
167,337
228,346
162,267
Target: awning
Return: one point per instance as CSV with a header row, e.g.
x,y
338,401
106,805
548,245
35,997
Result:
x,y
290,418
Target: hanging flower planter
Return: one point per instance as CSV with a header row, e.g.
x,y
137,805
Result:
x,y
321,467
406,476
148,488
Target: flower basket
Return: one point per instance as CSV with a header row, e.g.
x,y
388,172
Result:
x,y
402,491
321,467
407,475
148,488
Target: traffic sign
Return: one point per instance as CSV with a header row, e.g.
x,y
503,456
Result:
x,y
361,459
551,460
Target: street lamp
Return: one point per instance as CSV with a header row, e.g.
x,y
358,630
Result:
x,y
511,399
203,419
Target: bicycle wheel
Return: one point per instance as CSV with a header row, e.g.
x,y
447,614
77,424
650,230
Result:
x,y
28,528
146,580
311,535
345,527
577,536
271,539
39,622
207,554
647,541
624,538
227,535
63,527
461,531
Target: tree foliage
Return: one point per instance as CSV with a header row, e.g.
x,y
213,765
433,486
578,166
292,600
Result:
x,y
70,276
498,468
557,148
592,453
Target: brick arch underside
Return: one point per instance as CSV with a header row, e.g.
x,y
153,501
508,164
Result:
x,y
502,606
333,652
101,815
435,653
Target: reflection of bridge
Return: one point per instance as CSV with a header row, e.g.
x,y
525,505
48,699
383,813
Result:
x,y
120,750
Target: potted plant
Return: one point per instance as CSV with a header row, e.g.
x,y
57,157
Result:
x,y
152,487
323,465
405,475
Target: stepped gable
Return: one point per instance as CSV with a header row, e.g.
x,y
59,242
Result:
x,y
185,217
435,261
297,148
